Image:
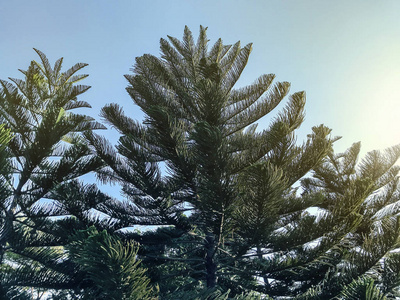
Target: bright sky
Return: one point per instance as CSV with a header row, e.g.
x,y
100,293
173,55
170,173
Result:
x,y
344,54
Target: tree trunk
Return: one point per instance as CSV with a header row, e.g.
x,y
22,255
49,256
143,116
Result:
x,y
211,266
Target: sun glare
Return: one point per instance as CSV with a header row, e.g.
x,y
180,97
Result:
x,y
373,93
381,114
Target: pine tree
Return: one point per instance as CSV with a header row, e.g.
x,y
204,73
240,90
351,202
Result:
x,y
46,155
230,221
198,168
45,205
359,217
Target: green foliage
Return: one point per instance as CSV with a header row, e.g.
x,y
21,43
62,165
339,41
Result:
x,y
362,289
360,221
46,154
110,266
231,221
44,203
213,294
5,168
228,187
5,137
235,220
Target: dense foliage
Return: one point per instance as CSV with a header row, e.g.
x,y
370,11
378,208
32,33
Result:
x,y
43,202
237,212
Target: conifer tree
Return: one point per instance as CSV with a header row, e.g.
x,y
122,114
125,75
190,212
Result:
x,y
230,221
46,156
199,168
358,213
45,207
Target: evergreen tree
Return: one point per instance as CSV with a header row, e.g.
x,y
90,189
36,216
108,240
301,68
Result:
x,y
230,221
198,168
43,201
46,155
359,217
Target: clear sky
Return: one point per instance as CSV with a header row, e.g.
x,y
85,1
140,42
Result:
x,y
345,54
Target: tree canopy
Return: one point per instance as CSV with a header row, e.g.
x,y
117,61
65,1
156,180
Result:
x,y
239,212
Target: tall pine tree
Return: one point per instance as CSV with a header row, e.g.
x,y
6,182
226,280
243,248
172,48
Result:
x,y
198,168
221,193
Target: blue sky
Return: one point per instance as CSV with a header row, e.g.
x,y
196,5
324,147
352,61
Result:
x,y
344,54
